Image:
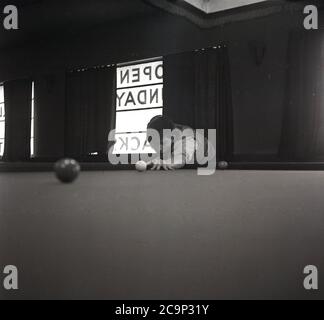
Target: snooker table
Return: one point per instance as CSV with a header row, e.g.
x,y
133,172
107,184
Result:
x,y
162,235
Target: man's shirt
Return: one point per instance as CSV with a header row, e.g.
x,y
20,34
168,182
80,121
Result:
x,y
194,148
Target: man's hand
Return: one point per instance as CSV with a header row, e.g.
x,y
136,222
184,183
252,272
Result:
x,y
158,164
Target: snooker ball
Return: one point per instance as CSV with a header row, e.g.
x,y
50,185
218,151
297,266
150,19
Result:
x,y
223,165
67,170
141,166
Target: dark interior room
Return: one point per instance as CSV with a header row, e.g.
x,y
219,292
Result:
x,y
83,215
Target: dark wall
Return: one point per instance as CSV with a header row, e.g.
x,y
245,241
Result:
x,y
258,88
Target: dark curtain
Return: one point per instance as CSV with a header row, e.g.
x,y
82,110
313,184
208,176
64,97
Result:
x,y
303,126
18,95
49,100
179,87
197,92
90,112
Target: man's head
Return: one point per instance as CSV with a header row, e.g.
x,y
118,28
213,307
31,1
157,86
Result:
x,y
159,124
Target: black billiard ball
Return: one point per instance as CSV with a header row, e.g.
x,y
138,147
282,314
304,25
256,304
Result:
x,y
223,165
67,170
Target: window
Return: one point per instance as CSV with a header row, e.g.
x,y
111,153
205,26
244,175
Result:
x,y
2,121
139,98
32,133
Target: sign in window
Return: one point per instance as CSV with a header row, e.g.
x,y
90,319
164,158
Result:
x,y
139,98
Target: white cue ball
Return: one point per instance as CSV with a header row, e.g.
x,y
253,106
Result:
x,y
141,166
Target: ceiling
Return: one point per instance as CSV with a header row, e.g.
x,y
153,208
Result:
x,y
211,13
44,19
212,6
41,20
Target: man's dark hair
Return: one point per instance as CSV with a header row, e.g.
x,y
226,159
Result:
x,y
160,123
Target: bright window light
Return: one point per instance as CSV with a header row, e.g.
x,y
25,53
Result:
x,y
2,121
212,6
135,121
32,133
